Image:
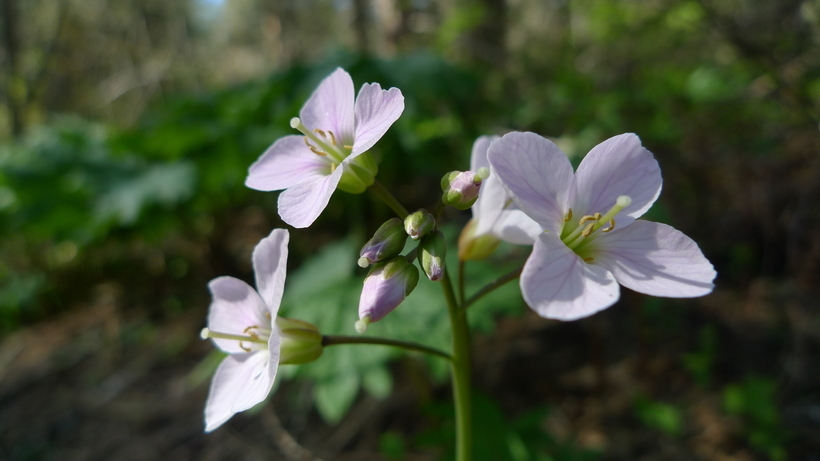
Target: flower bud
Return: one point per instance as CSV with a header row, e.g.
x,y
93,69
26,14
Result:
x,y
432,252
472,248
387,242
301,341
461,187
418,224
385,287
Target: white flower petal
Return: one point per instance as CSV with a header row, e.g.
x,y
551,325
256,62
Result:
x,y
655,259
514,226
557,284
270,259
235,307
376,110
618,166
330,107
478,157
301,204
287,162
487,209
537,175
240,382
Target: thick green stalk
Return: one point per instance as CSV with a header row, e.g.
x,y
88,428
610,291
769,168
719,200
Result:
x,y
385,196
460,369
337,340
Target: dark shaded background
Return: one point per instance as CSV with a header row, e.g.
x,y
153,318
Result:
x,y
127,129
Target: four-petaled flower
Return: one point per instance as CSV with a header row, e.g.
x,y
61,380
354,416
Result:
x,y
337,132
242,323
584,252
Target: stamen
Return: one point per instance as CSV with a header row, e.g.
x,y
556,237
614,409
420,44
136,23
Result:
x,y
313,149
589,260
348,147
267,314
568,216
361,325
611,226
320,132
332,137
587,230
322,147
246,349
253,338
588,218
622,202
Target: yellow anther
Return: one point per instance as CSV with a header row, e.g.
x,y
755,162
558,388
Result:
x,y
597,216
313,149
587,219
611,226
267,314
588,230
569,215
320,132
250,328
333,167
348,147
246,349
332,137
589,260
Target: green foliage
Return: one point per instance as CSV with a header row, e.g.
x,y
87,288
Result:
x,y
754,401
701,361
661,416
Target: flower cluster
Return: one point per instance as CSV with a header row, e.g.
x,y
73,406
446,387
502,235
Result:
x,y
583,226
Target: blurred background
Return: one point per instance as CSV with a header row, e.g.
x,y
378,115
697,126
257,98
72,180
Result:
x,y
126,131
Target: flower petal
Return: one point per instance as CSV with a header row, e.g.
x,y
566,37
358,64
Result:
x,y
240,382
537,175
376,110
287,162
478,157
655,259
235,307
270,259
514,226
301,204
618,166
557,284
491,202
330,107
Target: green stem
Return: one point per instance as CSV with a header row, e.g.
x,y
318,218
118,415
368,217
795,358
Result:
x,y
497,283
335,340
385,196
461,281
460,369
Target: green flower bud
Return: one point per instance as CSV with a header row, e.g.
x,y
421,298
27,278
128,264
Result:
x,y
433,249
461,188
301,341
387,242
418,224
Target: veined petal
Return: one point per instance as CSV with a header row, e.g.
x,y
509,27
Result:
x,y
557,284
618,166
235,307
376,110
240,382
537,175
655,259
286,163
514,226
330,107
478,157
301,204
270,259
491,202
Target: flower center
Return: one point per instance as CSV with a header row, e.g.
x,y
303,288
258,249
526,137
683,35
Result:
x,y
323,143
588,225
254,337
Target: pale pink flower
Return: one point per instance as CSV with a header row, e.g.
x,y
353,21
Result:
x,y
337,131
591,240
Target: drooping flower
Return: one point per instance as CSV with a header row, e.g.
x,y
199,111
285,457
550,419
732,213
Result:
x,y
338,132
243,323
591,240
495,216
